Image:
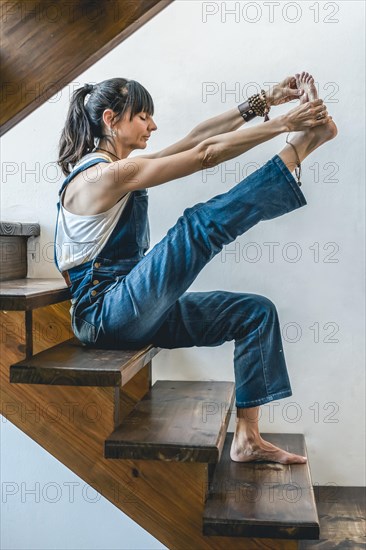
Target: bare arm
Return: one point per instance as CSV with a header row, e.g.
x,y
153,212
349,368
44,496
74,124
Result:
x,y
224,147
226,122
139,173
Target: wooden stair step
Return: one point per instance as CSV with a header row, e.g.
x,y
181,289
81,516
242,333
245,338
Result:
x,y
73,364
13,246
28,294
183,421
263,499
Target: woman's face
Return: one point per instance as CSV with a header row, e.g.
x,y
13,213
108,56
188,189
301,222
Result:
x,y
134,134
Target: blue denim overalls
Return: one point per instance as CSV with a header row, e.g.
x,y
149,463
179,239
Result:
x,y
126,298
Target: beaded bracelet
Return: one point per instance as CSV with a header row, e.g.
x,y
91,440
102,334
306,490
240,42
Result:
x,y
256,105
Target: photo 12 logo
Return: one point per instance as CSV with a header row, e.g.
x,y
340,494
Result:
x,y
269,12
229,92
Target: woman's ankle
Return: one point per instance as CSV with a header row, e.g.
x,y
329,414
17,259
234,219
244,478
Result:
x,y
304,145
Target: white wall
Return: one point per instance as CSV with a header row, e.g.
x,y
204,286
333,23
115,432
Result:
x,y
319,297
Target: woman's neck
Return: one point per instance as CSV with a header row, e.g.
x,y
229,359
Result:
x,y
116,150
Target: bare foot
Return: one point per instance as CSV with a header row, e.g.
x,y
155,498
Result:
x,y
315,137
305,82
307,141
256,449
320,134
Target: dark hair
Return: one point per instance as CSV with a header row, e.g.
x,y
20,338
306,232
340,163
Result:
x,y
84,121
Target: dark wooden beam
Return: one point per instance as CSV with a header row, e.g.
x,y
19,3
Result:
x,y
46,44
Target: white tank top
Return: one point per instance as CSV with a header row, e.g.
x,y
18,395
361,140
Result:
x,y
79,239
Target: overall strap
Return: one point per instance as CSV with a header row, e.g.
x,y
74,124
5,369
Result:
x,y
83,164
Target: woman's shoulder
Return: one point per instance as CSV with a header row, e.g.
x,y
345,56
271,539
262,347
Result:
x,y
93,156
89,160
88,191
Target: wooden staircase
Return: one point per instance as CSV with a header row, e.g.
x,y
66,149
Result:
x,y
160,452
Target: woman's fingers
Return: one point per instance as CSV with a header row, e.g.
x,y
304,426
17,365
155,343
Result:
x,y
315,103
310,105
308,115
291,81
324,120
320,110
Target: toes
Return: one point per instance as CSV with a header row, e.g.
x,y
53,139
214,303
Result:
x,y
294,459
299,459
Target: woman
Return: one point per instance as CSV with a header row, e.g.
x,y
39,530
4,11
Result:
x,y
124,297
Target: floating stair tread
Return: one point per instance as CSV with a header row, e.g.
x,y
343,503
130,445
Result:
x,y
263,499
176,421
27,294
342,518
19,229
71,363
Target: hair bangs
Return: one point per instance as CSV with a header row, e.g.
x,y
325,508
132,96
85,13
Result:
x,y
139,99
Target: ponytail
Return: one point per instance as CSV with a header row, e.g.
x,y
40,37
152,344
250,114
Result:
x,y
77,136
84,122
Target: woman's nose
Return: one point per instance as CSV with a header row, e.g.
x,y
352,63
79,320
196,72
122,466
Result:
x,y
152,125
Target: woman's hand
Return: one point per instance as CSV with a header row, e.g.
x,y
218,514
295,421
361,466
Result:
x,y
284,91
307,115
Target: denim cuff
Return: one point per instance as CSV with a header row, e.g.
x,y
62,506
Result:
x,y
290,178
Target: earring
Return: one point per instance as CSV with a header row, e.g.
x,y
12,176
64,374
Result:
x,y
113,132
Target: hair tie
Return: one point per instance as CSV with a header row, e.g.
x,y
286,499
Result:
x,y
89,88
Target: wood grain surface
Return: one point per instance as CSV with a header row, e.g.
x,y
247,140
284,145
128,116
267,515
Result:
x,y
13,257
177,420
13,248
71,363
28,294
25,229
262,499
46,44
342,513
72,423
